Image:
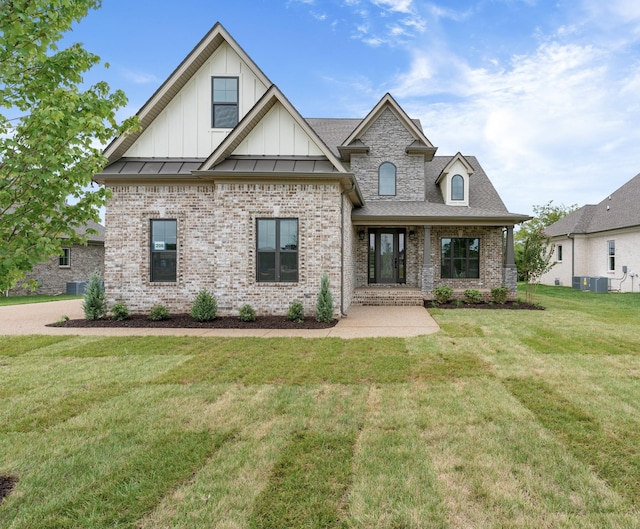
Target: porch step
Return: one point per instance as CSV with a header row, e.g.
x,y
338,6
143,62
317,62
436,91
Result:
x,y
388,296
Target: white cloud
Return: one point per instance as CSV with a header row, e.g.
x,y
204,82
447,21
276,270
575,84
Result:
x,y
399,6
138,77
555,124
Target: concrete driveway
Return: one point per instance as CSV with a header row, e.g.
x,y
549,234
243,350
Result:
x,y
361,322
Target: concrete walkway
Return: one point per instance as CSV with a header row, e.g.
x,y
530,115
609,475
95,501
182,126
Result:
x,y
361,322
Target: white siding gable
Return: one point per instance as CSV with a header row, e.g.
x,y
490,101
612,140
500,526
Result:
x,y
278,134
183,129
457,168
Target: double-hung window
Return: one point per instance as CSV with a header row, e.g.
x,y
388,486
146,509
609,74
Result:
x,y
277,249
224,102
164,250
460,258
612,256
65,258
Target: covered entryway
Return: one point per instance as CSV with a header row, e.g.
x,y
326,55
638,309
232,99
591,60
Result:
x,y
387,256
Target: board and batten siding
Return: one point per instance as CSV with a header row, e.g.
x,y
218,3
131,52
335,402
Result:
x,y
278,134
183,129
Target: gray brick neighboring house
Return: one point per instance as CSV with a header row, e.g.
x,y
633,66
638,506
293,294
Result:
x,y
227,187
75,264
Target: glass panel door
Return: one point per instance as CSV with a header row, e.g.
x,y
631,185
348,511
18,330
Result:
x,y
387,258
387,255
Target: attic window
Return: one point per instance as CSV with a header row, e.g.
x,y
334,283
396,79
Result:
x,y
387,179
457,188
224,98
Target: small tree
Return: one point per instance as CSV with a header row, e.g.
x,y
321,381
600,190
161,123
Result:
x,y
324,305
95,304
544,216
536,260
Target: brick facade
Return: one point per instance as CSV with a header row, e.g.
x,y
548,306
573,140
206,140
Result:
x,y
491,257
217,244
53,278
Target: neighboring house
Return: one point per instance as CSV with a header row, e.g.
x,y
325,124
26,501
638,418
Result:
x,y
227,187
75,264
599,241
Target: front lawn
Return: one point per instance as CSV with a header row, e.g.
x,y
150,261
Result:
x,y
22,300
504,419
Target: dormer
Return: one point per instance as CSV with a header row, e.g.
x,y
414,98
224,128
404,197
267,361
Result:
x,y
453,181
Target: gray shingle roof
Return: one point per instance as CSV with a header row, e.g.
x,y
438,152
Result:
x,y
619,210
93,226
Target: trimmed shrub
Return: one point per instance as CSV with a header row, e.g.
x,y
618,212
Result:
x,y
296,312
472,296
95,304
500,294
443,294
205,306
159,313
119,311
324,305
247,313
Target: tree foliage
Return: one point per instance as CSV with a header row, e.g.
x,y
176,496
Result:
x,y
544,216
536,260
51,130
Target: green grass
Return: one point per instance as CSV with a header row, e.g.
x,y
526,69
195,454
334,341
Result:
x,y
23,300
503,419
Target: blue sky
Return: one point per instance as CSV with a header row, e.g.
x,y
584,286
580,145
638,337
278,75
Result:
x,y
545,93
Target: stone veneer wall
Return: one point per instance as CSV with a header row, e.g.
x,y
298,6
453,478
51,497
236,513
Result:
x,y
491,256
53,278
387,139
217,244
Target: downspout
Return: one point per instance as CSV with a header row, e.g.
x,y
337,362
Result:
x,y
573,255
353,186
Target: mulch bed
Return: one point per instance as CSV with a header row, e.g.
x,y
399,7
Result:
x,y
6,485
509,305
185,321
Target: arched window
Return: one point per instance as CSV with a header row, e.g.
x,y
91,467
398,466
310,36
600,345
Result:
x,y
457,188
387,179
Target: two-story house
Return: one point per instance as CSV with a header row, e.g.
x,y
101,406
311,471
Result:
x,y
227,187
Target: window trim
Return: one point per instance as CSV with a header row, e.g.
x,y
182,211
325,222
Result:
x,y
452,258
453,179
152,279
611,256
277,251
214,104
64,260
559,253
395,179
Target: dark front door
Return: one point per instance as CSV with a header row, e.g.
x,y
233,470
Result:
x,y
387,255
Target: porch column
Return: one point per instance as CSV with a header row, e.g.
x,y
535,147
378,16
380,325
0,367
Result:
x,y
510,271
427,262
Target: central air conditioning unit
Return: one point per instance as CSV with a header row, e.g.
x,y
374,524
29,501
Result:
x,y
580,282
599,284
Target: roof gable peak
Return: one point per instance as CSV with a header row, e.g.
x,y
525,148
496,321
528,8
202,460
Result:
x,y
450,164
420,145
269,100
205,49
